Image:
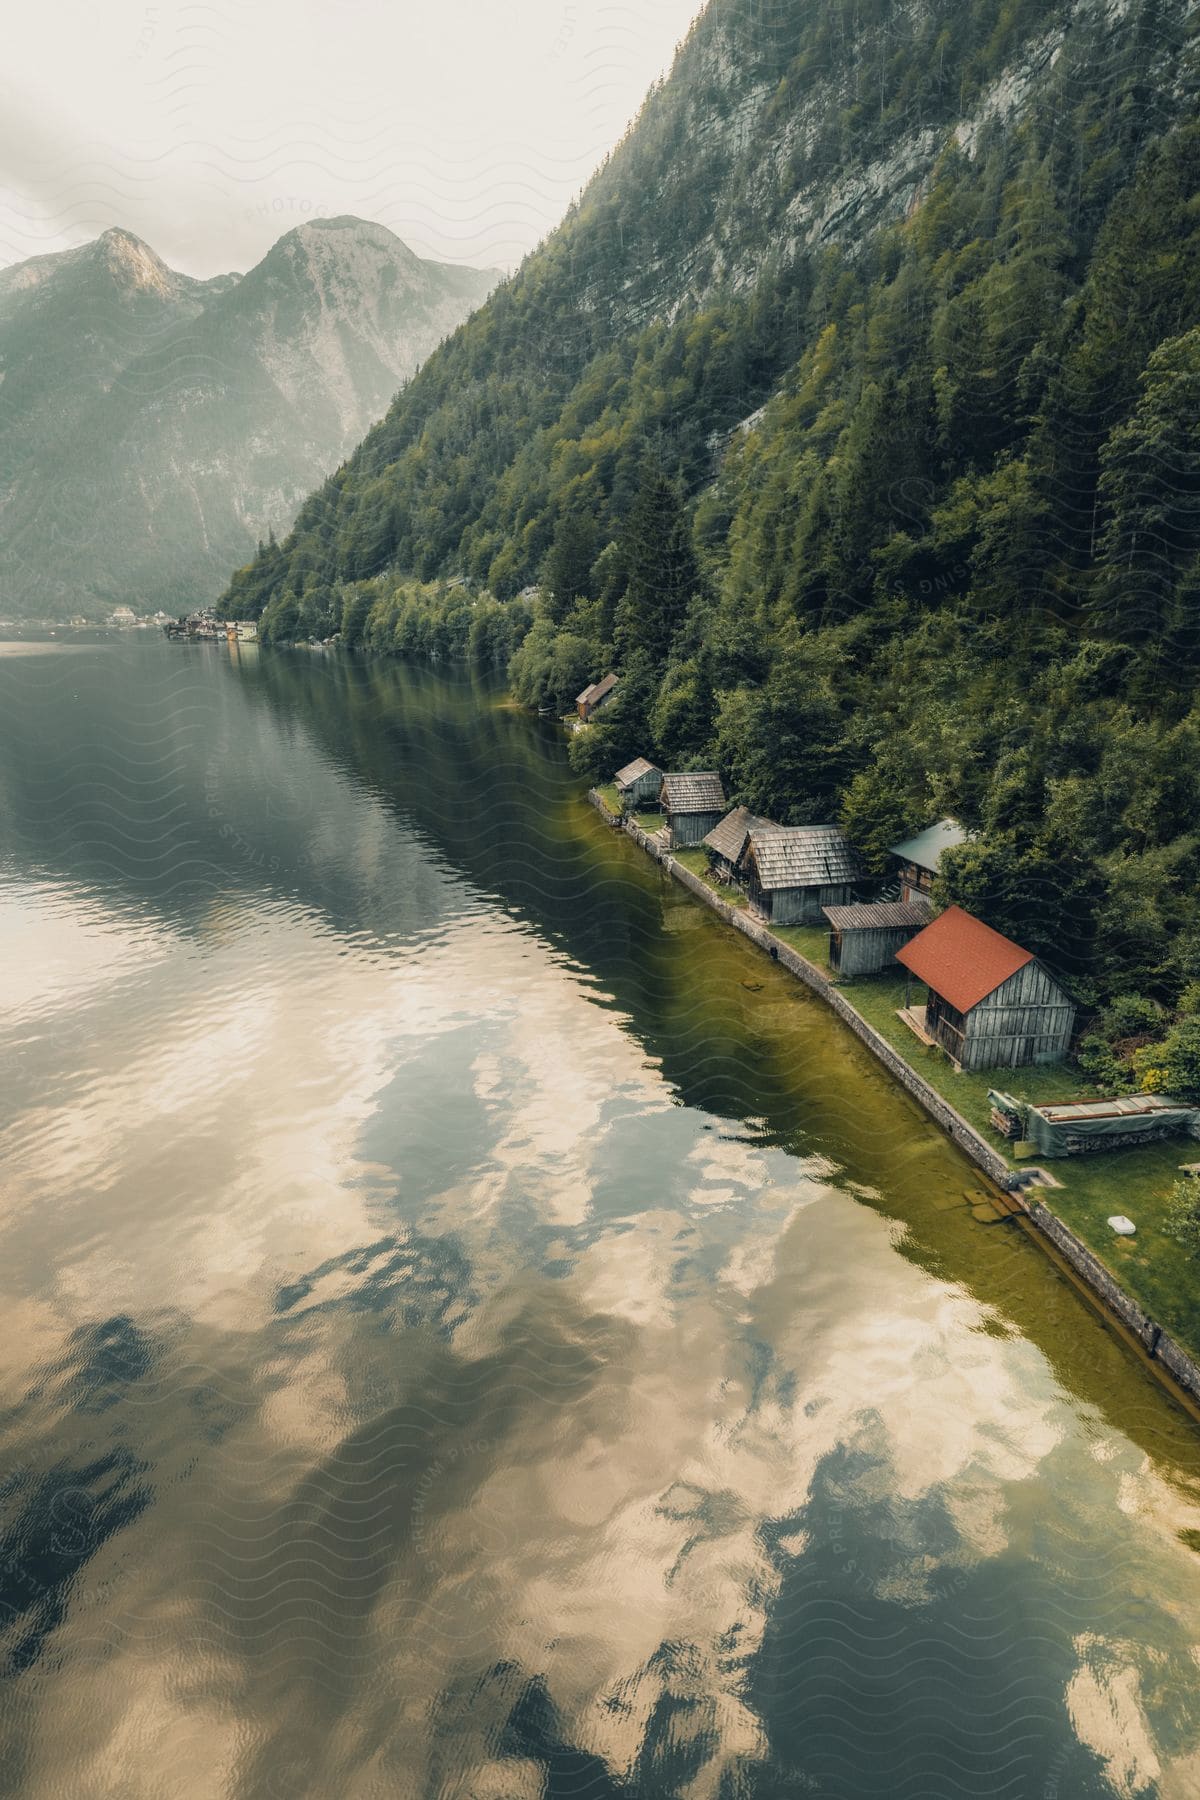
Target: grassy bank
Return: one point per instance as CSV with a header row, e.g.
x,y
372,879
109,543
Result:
x,y
812,941
1158,1272
649,821
696,859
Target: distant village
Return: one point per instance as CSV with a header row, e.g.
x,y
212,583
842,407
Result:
x,y
120,618
123,618
206,625
202,624
988,1002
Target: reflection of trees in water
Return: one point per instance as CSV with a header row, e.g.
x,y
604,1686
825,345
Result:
x,y
487,784
59,1521
491,792
62,1501
422,1281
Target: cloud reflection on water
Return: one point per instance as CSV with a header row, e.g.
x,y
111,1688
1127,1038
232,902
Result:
x,y
430,1399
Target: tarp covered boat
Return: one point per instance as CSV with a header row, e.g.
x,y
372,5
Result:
x,y
1078,1126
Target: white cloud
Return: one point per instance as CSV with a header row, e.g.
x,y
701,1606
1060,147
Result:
x,y
212,129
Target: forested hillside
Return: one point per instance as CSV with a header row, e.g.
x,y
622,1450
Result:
x,y
853,415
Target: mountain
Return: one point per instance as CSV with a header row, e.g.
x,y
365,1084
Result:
x,y
851,416
152,427
69,324
751,204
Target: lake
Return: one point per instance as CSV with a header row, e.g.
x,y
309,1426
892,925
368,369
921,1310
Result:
x,y
474,1328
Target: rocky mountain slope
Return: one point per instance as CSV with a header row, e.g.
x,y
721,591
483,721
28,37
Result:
x,y
788,140
69,324
851,417
153,427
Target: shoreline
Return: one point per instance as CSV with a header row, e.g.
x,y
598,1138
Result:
x,y
1172,1365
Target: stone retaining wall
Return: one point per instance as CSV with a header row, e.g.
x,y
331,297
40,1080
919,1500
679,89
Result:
x,y
1096,1275
1085,1263
963,1133
1088,1266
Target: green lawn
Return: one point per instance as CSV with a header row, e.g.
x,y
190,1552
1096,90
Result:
x,y
812,941
1152,1267
1157,1271
695,858
649,821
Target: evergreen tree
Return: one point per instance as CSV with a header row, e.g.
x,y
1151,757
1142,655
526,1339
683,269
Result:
x,y
567,575
918,531
660,566
1150,488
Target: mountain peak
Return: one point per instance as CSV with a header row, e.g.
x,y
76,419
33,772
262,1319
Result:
x,y
117,234
342,236
365,253
348,222
133,264
157,425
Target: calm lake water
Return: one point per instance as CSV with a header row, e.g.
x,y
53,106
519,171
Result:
x,y
472,1328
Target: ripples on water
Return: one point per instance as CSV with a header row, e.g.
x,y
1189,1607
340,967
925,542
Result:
x,y
461,1340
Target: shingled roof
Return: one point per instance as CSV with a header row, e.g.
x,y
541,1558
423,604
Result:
x,y
697,792
598,690
803,856
962,959
880,915
633,772
728,839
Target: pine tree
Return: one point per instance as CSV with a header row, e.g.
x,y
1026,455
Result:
x,y
1150,488
661,568
567,575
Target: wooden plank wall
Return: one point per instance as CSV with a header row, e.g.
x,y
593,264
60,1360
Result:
x,y
866,952
692,828
1028,1019
802,906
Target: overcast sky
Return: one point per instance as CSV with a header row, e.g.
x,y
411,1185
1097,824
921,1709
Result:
x,y
209,127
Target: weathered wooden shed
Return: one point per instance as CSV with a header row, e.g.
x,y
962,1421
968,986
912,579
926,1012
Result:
x,y
594,697
726,842
793,871
638,784
693,803
991,1004
865,939
917,858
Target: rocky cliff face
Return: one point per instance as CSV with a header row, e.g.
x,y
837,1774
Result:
x,y
716,244
153,427
69,324
787,128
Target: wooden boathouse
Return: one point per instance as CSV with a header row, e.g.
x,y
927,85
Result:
x,y
990,1003
917,858
865,939
638,784
793,871
726,843
594,697
693,802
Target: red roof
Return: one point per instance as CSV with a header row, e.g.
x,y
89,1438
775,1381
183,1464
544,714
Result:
x,y
961,958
